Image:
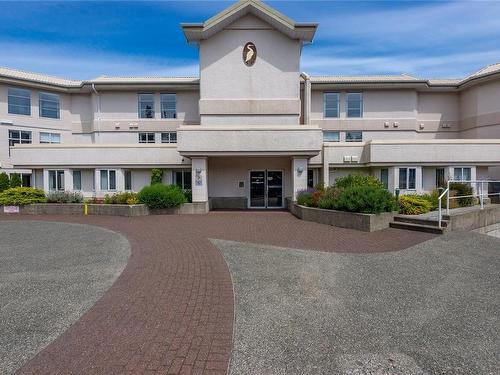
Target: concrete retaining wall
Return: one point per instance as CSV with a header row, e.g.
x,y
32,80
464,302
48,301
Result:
x,y
224,203
107,209
475,219
351,220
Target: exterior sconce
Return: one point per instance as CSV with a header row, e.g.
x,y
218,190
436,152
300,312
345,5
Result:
x,y
300,170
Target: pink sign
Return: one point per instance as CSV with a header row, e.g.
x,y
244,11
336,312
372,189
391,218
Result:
x,y
11,209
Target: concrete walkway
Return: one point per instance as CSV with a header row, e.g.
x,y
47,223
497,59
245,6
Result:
x,y
171,310
430,309
50,275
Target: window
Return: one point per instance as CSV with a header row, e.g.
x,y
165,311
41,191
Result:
x,y
19,136
170,137
355,136
440,180
146,106
331,104
56,180
168,105
146,137
329,136
384,177
407,178
128,180
310,178
77,180
19,101
50,138
183,179
462,174
49,105
108,179
354,104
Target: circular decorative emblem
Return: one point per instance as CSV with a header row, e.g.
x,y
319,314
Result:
x,y
249,54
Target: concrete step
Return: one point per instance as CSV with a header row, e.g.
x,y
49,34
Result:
x,y
420,221
417,227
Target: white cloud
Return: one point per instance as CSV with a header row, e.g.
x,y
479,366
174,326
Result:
x,y
68,62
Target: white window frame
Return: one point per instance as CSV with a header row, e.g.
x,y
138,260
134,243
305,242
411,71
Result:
x,y
12,94
52,137
182,184
19,139
462,173
347,101
125,173
141,112
385,183
326,108
407,181
163,105
171,137
55,99
108,173
78,172
356,139
147,140
58,186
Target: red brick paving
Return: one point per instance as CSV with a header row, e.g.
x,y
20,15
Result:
x,y
171,310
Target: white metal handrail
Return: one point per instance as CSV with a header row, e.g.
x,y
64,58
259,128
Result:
x,y
479,192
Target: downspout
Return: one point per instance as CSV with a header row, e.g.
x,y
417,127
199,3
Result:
x,y
307,98
98,110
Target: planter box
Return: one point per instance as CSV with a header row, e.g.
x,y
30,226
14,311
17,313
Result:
x,y
184,209
342,219
79,209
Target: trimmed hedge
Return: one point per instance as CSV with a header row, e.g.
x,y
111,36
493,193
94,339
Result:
x,y
160,196
414,205
121,198
64,197
368,199
21,196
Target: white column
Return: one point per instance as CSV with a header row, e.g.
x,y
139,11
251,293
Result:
x,y
199,176
120,180
46,180
68,180
326,172
299,175
97,182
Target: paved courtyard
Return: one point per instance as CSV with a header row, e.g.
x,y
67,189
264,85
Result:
x,y
172,308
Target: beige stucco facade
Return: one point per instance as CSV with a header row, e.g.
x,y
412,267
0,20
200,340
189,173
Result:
x,y
244,129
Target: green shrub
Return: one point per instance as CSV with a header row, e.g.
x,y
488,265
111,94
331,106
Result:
x,y
358,180
188,193
160,196
64,197
15,180
414,205
4,181
121,198
462,189
304,198
366,199
329,197
20,196
156,176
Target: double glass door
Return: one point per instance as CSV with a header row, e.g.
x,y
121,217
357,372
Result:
x,y
266,189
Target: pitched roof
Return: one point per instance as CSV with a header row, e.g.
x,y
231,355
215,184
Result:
x,y
365,79
195,32
38,78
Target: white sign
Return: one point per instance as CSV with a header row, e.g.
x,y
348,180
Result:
x,y
11,209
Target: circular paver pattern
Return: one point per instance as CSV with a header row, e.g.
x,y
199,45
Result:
x,y
50,275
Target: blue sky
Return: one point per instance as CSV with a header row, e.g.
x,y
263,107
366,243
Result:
x,y
82,40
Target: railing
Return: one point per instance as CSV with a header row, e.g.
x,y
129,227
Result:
x,y
478,189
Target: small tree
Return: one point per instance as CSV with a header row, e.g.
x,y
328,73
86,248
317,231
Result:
x,y
15,180
156,176
4,181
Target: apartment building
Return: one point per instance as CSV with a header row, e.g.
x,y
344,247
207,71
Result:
x,y
252,129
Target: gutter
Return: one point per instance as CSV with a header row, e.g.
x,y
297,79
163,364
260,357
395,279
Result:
x,y
98,110
307,98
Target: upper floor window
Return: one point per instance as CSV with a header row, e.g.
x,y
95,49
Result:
x,y
407,178
354,136
168,105
19,101
169,137
462,174
146,137
331,104
331,136
146,105
50,138
354,104
19,136
49,105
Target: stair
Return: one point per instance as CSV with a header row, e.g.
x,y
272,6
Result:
x,y
419,224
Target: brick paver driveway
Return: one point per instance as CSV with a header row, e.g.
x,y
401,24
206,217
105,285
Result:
x,y
171,311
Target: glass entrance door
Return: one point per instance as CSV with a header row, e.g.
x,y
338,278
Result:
x,y
266,189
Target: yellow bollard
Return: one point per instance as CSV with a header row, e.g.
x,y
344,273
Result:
x,y
86,209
